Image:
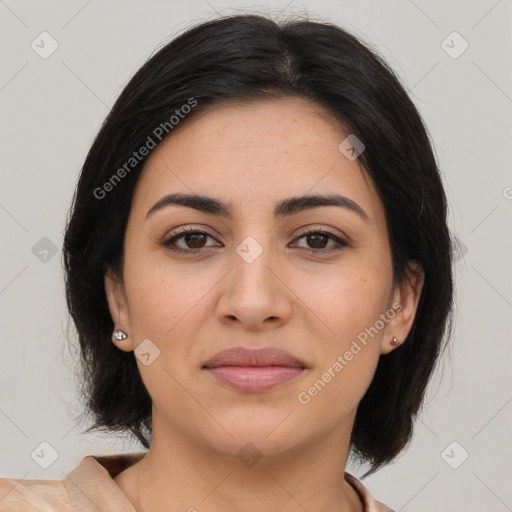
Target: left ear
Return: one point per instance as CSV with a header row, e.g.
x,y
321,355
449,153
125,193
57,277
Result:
x,y
407,295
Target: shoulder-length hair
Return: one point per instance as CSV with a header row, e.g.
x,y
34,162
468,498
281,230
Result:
x,y
248,57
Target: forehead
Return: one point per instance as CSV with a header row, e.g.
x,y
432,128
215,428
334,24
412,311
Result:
x,y
252,154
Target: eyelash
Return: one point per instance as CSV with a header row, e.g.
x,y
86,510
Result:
x,y
168,243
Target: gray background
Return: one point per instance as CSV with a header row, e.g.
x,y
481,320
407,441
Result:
x,y
51,108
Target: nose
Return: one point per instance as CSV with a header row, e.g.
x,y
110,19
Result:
x,y
255,294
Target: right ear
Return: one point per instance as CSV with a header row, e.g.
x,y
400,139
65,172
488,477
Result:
x,y
118,307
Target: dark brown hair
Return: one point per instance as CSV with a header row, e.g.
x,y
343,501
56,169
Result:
x,y
248,57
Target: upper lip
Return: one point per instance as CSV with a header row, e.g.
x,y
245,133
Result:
x,y
267,356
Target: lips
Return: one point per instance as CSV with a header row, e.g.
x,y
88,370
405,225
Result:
x,y
254,370
267,356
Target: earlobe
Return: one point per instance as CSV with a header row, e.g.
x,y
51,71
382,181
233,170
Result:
x,y
116,299
408,295
395,342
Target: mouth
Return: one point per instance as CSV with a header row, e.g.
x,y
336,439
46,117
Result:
x,y
254,370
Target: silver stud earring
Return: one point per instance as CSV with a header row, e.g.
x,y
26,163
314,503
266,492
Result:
x,y
395,342
119,335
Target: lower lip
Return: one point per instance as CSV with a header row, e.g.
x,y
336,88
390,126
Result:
x,y
254,378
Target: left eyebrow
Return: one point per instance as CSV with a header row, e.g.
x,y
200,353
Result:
x,y
283,208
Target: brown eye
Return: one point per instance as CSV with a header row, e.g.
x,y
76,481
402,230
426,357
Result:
x,y
317,241
196,239
193,241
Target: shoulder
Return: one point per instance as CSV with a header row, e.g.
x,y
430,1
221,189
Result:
x,y
370,504
18,495
90,486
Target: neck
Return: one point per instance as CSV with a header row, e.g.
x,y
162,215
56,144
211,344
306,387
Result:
x,y
179,474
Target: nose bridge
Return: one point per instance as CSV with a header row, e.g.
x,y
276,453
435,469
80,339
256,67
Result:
x,y
254,251
253,293
253,260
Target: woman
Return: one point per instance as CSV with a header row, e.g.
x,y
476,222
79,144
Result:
x,y
260,272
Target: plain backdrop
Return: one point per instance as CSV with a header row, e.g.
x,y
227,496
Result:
x,y
52,107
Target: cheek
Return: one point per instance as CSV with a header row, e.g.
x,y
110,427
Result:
x,y
335,391
170,303
345,299
163,299
347,356
165,307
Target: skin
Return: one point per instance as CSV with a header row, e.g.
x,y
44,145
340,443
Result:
x,y
311,304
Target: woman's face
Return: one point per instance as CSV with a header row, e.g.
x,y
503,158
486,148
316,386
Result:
x,y
253,278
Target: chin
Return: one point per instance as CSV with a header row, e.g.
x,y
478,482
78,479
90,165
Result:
x,y
255,425
250,445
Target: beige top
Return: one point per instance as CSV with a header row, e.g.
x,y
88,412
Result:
x,y
90,487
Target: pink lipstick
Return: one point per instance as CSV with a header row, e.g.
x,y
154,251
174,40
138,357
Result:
x,y
252,370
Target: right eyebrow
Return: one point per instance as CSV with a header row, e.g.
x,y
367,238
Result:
x,y
285,207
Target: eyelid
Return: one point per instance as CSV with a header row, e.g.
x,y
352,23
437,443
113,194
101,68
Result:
x,y
317,228
340,240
